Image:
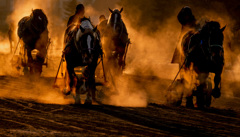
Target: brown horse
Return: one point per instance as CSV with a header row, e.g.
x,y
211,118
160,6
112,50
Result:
x,y
82,49
204,50
33,32
116,40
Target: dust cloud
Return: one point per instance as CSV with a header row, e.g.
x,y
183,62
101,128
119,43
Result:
x,y
154,33
149,56
28,88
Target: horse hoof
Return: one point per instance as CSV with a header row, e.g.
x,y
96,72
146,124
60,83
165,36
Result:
x,y
216,93
77,102
189,103
88,103
65,92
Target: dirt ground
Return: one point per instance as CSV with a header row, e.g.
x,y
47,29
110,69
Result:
x,y
29,117
30,107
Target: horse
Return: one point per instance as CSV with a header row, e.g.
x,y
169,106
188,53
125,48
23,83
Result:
x,y
116,39
204,53
82,49
33,33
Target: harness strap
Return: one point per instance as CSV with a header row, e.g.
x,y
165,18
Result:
x,y
215,45
121,30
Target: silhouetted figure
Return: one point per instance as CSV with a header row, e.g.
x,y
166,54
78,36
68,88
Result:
x,y
80,11
102,24
186,18
188,22
30,30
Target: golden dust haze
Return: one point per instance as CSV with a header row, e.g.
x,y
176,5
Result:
x,y
154,32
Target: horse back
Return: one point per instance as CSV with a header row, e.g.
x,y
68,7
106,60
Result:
x,y
26,32
22,26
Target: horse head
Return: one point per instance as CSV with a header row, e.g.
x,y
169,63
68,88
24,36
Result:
x,y
86,40
213,34
115,20
38,20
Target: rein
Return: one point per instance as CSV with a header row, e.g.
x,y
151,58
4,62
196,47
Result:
x,y
208,49
215,45
121,30
121,24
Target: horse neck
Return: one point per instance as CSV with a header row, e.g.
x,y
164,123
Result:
x,y
110,26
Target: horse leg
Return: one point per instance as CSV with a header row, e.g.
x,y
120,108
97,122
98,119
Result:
x,y
189,95
189,102
121,62
77,96
200,89
200,96
70,80
91,92
93,88
91,96
88,100
216,93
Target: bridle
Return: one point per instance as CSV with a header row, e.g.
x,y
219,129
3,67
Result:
x,y
118,23
209,46
213,45
201,44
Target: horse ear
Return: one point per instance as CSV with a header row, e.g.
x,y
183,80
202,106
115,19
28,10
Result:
x,y
82,29
95,29
121,10
110,10
222,29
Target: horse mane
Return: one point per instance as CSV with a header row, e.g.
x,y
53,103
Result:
x,y
85,18
38,20
113,12
210,25
122,33
30,27
116,10
39,12
88,19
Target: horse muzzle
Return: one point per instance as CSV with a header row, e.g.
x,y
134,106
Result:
x,y
87,60
35,54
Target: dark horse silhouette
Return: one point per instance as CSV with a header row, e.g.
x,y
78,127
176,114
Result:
x,y
116,39
32,30
82,49
204,50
